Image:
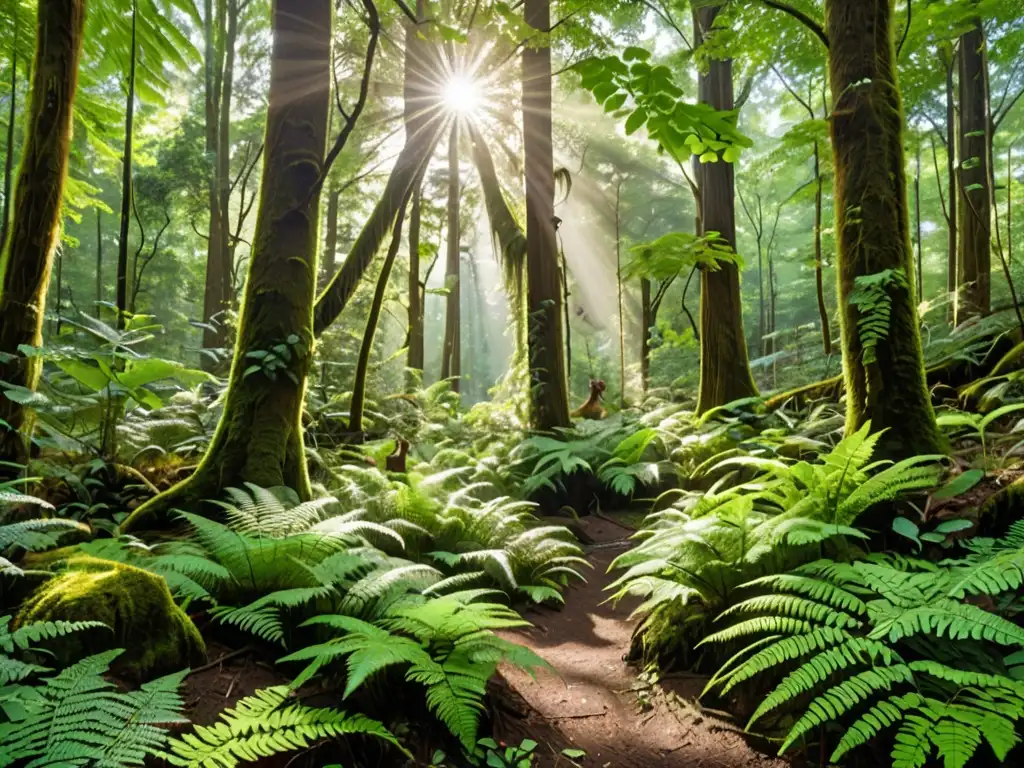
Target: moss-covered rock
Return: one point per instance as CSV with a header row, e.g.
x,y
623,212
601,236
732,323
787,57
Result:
x,y
157,636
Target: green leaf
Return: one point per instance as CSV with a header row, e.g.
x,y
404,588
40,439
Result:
x,y
634,53
636,120
906,528
959,484
951,526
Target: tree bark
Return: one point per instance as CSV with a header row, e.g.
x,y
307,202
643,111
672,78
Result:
x,y
5,216
227,268
355,422
126,184
953,225
546,364
415,344
330,258
724,368
259,437
214,291
451,356
819,273
415,94
873,228
35,227
917,223
974,294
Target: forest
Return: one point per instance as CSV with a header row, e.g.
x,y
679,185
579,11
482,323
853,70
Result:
x,y
553,383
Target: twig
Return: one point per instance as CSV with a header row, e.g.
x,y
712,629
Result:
x,y
800,16
230,655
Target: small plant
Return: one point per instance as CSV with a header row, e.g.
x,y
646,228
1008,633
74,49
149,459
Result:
x,y
978,423
494,755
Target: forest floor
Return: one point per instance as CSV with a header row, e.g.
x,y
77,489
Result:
x,y
599,703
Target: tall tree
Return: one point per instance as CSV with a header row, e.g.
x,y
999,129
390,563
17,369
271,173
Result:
x,y
35,229
451,355
126,178
885,381
544,303
12,111
259,437
724,369
975,209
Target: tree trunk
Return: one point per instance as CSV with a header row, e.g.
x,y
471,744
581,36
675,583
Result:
x,y
451,356
917,223
259,437
953,193
819,276
35,227
99,262
546,364
216,279
647,320
870,179
618,293
355,422
724,368
224,159
975,191
415,344
330,257
5,215
126,184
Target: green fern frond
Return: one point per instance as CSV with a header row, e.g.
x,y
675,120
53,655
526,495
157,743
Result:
x,y
943,618
794,607
815,589
263,725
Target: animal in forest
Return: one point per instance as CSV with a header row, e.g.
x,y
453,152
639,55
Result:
x,y
592,409
396,461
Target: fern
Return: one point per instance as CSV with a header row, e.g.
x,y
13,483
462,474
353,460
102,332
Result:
x,y
79,718
872,297
266,724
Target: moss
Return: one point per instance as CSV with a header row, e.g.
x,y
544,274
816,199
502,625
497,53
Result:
x,y
157,636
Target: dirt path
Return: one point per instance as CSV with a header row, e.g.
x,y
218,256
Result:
x,y
594,703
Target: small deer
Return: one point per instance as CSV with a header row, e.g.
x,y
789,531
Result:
x,y
592,409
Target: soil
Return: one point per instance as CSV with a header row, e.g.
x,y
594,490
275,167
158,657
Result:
x,y
597,702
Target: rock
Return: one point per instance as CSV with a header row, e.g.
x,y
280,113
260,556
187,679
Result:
x,y
156,635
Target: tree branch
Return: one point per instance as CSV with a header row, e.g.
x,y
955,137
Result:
x,y
906,29
800,16
785,84
938,180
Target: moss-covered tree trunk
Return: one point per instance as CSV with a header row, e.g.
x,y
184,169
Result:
x,y
872,222
544,301
259,437
35,228
975,209
415,326
451,354
724,368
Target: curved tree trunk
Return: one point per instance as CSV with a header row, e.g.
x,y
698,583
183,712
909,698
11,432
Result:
x,y
259,437
870,179
974,296
724,368
451,354
35,227
355,422
544,303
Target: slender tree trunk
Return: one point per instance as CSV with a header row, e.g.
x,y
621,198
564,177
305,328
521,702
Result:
x,y
567,328
618,293
975,191
330,259
355,422
214,290
1009,204
546,364
126,184
224,157
819,276
5,215
953,225
724,368
99,262
35,226
452,351
416,350
259,437
59,292
917,222
870,179
647,320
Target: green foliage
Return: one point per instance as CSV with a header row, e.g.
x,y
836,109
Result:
x,y
872,296
77,717
671,254
265,724
446,643
876,644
